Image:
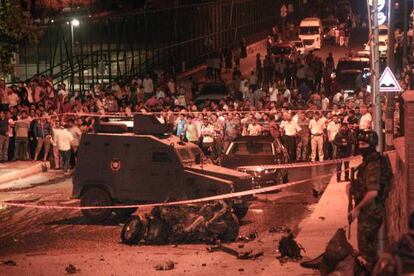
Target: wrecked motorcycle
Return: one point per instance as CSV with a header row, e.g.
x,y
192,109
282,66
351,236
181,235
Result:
x,y
183,224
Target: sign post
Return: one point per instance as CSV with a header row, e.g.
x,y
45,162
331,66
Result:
x,y
388,82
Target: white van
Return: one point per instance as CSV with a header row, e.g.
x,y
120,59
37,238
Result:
x,y
311,32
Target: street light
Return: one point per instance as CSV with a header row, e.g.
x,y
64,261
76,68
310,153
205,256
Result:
x,y
74,23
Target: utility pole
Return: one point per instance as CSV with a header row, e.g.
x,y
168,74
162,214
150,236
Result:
x,y
389,119
375,93
375,76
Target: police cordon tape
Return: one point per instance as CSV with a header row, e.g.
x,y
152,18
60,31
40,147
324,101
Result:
x,y
182,202
298,164
206,199
182,112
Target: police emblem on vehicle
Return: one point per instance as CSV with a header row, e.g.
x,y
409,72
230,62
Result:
x,y
115,165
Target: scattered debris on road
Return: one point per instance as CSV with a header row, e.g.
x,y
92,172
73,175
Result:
x,y
322,218
288,247
8,262
168,265
242,255
71,269
248,238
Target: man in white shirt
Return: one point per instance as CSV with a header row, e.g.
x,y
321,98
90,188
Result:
x,y
324,102
148,87
337,98
290,129
317,127
365,123
333,128
254,129
62,90
207,134
63,139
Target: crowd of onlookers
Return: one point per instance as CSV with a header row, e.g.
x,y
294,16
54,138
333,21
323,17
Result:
x,y
292,99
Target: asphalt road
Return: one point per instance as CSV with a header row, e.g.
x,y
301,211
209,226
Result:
x,y
33,230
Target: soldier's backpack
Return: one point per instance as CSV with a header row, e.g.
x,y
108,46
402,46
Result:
x,y
338,249
385,177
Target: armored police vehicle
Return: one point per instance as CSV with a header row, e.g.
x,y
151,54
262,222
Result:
x,y
116,166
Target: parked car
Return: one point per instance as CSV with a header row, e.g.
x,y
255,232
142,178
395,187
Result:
x,y
352,63
329,27
257,151
350,80
382,45
300,47
364,53
285,49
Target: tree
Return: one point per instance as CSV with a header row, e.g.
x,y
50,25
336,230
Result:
x,y
16,28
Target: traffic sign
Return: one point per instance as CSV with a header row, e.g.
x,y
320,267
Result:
x,y
388,82
283,11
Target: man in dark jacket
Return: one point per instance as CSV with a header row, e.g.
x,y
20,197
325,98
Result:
x,y
21,128
344,142
43,135
4,137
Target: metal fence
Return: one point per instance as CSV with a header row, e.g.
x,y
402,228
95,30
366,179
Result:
x,y
118,47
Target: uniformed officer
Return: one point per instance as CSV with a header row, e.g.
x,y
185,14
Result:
x,y
369,204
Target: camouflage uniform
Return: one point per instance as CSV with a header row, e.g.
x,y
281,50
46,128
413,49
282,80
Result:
x,y
371,216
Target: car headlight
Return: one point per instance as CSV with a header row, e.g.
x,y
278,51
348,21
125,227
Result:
x,y
269,171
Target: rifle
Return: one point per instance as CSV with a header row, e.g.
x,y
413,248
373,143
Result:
x,y
350,204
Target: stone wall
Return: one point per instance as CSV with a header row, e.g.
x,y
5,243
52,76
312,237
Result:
x,y
408,97
400,202
397,204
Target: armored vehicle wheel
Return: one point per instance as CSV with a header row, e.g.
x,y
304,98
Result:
x,y
240,210
132,231
124,212
96,197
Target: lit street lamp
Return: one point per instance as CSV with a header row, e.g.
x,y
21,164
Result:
x,y
74,23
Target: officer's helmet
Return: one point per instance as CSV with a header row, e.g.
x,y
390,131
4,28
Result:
x,y
368,136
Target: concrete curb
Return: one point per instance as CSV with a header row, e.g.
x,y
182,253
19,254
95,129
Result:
x,y
38,167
